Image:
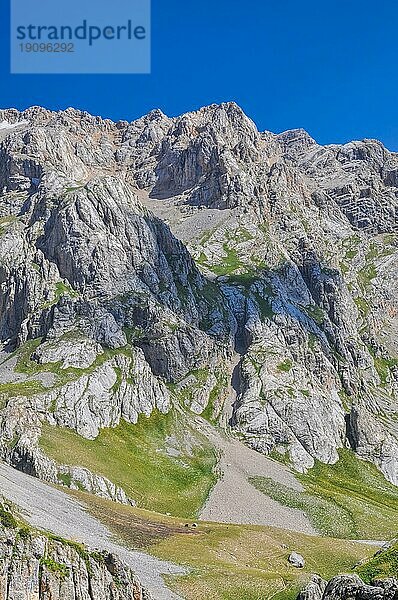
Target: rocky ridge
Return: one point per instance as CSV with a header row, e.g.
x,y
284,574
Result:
x,y
288,259
343,587
35,565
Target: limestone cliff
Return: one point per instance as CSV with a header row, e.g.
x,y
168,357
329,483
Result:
x,y
34,565
141,263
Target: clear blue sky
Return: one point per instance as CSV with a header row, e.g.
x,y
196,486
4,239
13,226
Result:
x,y
328,66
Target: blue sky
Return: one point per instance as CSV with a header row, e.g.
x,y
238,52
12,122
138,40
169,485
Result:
x,y
327,66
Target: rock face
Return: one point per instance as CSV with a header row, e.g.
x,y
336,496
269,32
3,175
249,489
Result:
x,y
137,260
35,566
347,587
314,590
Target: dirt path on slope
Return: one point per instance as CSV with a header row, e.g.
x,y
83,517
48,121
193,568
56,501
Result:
x,y
235,500
52,510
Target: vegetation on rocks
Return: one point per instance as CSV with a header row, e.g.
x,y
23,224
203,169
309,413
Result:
x,y
59,569
40,562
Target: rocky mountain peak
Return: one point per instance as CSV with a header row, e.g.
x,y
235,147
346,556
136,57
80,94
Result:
x,y
165,249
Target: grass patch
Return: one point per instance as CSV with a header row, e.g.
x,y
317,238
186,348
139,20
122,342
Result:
x,y
229,562
312,339
65,478
280,454
366,275
315,312
7,519
383,366
343,267
362,306
265,306
161,462
61,289
187,389
383,565
138,528
5,222
350,499
21,388
74,188
230,262
285,366
29,367
351,247
241,234
59,569
210,412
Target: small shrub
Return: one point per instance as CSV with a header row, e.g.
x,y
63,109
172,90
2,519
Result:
x,y
24,533
7,519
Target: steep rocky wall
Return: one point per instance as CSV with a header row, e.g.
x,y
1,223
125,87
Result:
x,y
35,566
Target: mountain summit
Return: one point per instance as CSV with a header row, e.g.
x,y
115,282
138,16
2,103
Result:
x,y
197,265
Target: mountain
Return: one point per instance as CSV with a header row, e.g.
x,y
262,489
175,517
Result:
x,y
168,281
194,266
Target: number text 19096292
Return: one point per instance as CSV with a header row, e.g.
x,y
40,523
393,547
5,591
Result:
x,y
47,47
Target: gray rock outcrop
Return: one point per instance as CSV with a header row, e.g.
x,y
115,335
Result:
x,y
349,587
33,565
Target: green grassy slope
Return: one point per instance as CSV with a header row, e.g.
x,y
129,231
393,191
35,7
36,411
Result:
x,y
228,562
383,565
350,499
161,462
